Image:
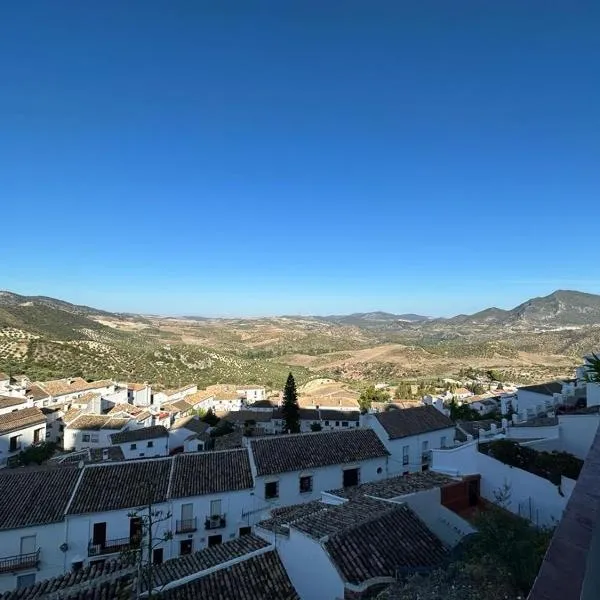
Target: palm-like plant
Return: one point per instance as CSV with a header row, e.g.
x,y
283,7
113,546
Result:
x,y
592,368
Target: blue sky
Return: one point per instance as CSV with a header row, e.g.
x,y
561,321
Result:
x,y
254,158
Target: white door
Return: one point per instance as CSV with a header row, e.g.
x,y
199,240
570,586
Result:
x,y
28,544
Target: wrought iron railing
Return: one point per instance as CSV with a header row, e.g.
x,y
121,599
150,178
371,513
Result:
x,y
19,562
215,522
113,546
186,525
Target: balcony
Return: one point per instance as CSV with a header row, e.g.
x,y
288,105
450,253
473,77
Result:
x,y
113,546
215,522
186,525
19,562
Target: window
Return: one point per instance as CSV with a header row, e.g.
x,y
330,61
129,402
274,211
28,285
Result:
x,y
200,446
150,444
214,540
424,446
28,544
379,470
15,443
271,490
157,556
443,441
344,423
405,450
245,531
351,477
37,435
337,423
326,423
85,437
185,547
133,447
306,484
25,580
215,508
95,437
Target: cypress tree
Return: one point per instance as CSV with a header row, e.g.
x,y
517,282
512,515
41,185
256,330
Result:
x,y
290,408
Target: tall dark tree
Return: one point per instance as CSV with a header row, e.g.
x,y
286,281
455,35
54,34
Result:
x,y
290,408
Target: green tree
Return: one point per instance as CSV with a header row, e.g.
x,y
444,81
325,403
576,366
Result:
x,y
371,394
37,454
290,408
592,369
210,418
476,388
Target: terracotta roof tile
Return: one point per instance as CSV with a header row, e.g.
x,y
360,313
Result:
x,y
19,419
191,423
279,454
412,421
60,387
116,486
211,473
97,422
138,435
10,401
260,578
42,495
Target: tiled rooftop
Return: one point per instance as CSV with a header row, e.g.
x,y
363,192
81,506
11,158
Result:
x,y
412,421
121,485
35,392
210,473
60,387
229,440
10,401
177,568
241,416
181,405
396,486
393,541
260,578
280,454
35,496
281,518
20,419
191,423
97,422
329,414
126,408
138,435
547,389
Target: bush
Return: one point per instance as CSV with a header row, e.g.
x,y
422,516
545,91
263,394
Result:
x,y
37,454
549,465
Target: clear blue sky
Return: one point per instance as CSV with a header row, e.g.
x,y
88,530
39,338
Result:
x,y
299,157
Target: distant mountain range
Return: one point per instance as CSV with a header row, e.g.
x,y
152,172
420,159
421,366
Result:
x,y
563,308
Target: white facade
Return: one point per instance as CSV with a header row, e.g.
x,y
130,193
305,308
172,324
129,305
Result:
x,y
221,404
326,478
78,439
530,496
251,394
27,541
409,454
531,404
12,442
151,448
24,404
140,396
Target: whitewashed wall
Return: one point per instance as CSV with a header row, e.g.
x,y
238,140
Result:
x,y
527,433
159,447
240,509
529,404
73,438
577,433
26,440
415,444
324,479
48,540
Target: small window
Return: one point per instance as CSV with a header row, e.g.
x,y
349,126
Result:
x,y
133,447
337,423
326,423
85,437
150,444
245,531
351,477
425,446
405,450
25,580
157,556
344,423
379,470
306,484
272,490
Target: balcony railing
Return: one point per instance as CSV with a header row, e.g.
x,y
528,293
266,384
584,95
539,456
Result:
x,y
20,562
113,546
215,522
186,525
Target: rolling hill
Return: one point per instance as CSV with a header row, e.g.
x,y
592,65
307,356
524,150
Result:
x,y
541,337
